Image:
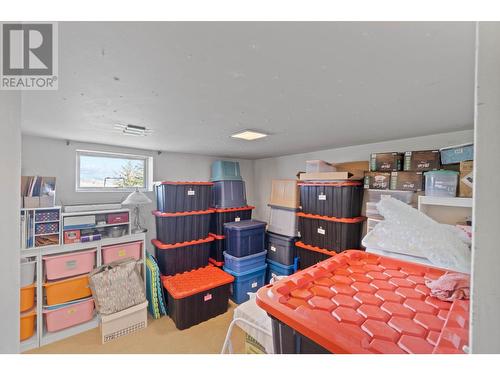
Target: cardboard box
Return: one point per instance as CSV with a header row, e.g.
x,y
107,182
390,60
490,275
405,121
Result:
x,y
386,161
466,179
285,193
407,180
352,170
421,160
31,202
377,180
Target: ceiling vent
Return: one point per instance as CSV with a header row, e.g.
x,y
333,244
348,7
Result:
x,y
128,129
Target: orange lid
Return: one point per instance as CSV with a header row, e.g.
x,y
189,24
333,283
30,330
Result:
x,y
164,246
316,249
352,220
185,183
358,302
186,213
189,283
215,263
217,236
232,209
338,183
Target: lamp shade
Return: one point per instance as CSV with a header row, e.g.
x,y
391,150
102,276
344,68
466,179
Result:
x,y
136,198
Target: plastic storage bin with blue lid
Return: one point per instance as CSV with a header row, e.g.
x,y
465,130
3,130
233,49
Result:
x,y
245,282
225,170
244,237
278,269
243,264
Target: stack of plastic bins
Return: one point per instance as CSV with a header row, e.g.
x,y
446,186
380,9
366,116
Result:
x,y
198,295
67,293
281,255
282,230
220,217
245,257
229,188
182,226
330,220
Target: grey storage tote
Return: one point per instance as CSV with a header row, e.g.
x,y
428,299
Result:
x,y
280,249
283,220
229,194
27,272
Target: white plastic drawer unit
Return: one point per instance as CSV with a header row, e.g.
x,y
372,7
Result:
x,y
283,220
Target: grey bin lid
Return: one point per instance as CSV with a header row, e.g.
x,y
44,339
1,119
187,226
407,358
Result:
x,y
245,224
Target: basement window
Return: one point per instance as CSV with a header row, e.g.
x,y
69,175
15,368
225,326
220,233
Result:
x,y
105,171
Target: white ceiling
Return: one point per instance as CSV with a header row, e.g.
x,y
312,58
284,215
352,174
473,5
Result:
x,y
311,86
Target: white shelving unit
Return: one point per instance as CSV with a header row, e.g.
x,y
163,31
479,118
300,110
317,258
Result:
x,y
41,337
446,210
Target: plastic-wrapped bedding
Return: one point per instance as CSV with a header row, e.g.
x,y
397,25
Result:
x,y
408,231
254,314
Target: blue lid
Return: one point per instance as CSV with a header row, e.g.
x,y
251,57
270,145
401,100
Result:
x,y
245,224
276,264
253,270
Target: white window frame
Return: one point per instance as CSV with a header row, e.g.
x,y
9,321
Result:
x,y
148,171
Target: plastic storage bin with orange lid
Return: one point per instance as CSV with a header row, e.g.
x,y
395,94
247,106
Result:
x,y
198,295
331,233
66,290
27,297
228,215
27,325
121,251
180,196
178,227
360,303
69,264
334,198
182,257
217,250
69,315
310,255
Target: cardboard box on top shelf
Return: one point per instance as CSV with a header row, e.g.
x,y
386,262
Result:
x,y
377,180
285,193
407,180
427,160
353,170
386,161
465,185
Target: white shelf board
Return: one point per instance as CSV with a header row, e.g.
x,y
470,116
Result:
x,y
46,234
46,221
50,337
445,201
65,248
41,208
29,344
101,212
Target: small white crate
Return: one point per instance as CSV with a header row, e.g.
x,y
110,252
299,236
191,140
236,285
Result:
x,y
124,322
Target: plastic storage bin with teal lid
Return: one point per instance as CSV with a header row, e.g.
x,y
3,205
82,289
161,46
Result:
x,y
441,183
225,170
456,154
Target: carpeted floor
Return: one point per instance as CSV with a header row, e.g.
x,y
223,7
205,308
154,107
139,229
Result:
x,y
160,336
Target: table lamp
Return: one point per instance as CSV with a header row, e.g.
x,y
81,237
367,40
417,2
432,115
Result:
x,y
137,199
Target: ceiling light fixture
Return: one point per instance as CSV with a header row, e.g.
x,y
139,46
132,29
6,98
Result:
x,y
136,130
249,135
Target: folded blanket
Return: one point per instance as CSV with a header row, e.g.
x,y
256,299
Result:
x,y
450,286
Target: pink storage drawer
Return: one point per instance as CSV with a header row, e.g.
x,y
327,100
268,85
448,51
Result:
x,y
69,315
71,264
121,251
118,218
